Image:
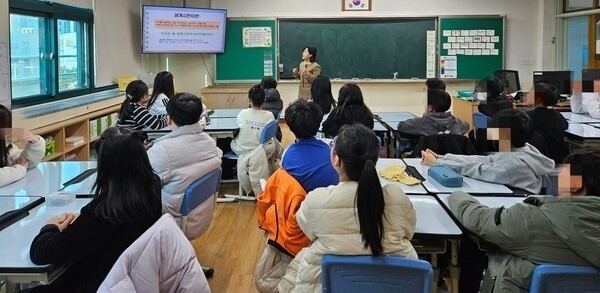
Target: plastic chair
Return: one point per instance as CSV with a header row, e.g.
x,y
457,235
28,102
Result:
x,y
550,278
202,192
480,120
269,132
367,273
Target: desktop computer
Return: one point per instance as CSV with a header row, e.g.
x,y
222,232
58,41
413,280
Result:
x,y
561,80
587,79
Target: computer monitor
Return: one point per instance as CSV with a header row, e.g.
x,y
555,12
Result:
x,y
587,79
510,78
561,80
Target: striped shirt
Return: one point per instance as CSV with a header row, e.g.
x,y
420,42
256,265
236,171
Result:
x,y
137,117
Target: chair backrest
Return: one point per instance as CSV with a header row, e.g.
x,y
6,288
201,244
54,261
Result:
x,y
367,273
201,190
565,278
444,144
269,131
480,120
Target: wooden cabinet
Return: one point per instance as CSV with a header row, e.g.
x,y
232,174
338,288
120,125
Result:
x,y
226,96
463,109
77,127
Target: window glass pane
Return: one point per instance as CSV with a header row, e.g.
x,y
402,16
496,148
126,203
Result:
x,y
577,45
578,4
28,55
72,56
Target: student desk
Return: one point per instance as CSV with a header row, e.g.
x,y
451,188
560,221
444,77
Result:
x,y
582,134
386,123
13,208
384,163
597,125
390,117
434,228
579,118
15,264
225,113
48,177
470,185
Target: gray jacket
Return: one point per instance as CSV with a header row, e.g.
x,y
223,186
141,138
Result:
x,y
273,102
520,168
556,230
434,123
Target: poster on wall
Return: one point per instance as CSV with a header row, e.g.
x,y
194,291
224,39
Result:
x,y
257,37
448,67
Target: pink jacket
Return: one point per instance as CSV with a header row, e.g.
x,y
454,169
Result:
x,y
161,260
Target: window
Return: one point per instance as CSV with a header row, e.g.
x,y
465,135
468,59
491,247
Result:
x,y
574,5
50,51
577,44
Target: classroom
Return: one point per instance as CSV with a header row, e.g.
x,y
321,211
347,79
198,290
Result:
x,y
531,36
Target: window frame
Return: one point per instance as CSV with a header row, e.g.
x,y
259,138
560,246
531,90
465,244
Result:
x,y
595,5
52,13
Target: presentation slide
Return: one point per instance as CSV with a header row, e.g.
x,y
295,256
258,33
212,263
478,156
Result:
x,y
183,30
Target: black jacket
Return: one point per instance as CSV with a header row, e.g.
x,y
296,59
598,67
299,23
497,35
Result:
x,y
350,115
551,125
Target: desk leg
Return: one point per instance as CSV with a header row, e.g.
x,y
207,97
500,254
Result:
x,y
436,271
454,268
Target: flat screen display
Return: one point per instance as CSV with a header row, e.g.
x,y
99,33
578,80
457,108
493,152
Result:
x,y
562,80
183,30
588,76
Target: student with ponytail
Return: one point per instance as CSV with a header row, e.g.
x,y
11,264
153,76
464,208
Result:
x,y
356,217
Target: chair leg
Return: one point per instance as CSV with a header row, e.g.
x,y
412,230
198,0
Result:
x,y
241,195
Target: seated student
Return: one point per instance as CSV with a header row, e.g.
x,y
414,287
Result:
x,y
251,122
356,217
548,122
273,100
320,92
495,100
435,120
435,84
307,159
561,230
175,165
163,89
126,202
133,113
351,109
586,102
14,162
521,166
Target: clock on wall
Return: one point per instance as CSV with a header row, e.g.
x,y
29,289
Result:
x,y
358,5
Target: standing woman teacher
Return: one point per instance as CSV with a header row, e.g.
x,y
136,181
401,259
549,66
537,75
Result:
x,y
307,71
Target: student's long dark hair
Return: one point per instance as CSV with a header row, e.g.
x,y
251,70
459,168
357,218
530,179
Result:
x,y
320,92
163,83
5,125
133,93
125,190
358,149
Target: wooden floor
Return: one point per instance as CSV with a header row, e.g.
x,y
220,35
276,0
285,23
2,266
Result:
x,y
233,244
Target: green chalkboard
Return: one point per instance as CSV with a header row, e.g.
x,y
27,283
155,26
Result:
x,y
358,48
473,32
240,64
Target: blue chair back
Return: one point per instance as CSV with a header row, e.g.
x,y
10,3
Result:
x,y
201,190
480,120
549,278
269,131
366,273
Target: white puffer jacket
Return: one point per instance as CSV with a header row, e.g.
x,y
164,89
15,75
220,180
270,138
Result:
x,y
329,218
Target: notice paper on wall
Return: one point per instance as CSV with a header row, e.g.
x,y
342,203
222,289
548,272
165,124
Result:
x,y
448,67
257,37
430,71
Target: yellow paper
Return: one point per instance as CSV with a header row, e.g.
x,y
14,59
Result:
x,y
397,173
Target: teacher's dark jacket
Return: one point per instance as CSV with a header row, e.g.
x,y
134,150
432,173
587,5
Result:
x,y
91,244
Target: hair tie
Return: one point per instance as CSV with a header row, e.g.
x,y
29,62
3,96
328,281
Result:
x,y
128,96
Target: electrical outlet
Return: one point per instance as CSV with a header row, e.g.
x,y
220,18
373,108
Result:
x,y
523,61
531,61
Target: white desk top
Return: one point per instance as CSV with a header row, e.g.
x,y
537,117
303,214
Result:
x,y
583,131
221,125
490,201
432,219
11,203
579,118
391,117
382,163
225,113
14,258
48,177
470,185
594,124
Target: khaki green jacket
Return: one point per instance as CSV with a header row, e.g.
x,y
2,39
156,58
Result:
x,y
556,230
